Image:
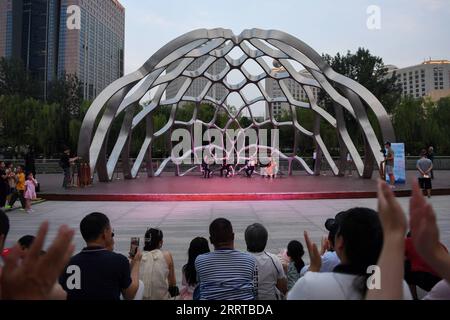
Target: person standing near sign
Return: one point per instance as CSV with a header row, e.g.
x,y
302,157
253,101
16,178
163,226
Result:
x,y
425,167
389,163
430,155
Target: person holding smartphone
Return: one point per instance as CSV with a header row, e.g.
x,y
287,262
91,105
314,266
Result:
x,y
97,272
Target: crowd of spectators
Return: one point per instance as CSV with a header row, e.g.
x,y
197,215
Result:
x,y
359,243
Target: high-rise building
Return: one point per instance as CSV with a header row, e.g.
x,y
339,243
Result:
x,y
95,52
29,32
37,31
216,91
273,90
425,79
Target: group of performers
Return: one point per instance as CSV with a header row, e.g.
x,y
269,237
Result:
x,y
227,169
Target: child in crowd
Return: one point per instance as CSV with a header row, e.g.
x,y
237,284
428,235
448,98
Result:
x,y
295,252
30,191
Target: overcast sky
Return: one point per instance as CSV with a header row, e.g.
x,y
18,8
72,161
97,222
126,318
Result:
x,y
411,30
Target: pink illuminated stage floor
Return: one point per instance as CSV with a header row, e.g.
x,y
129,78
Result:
x,y
195,188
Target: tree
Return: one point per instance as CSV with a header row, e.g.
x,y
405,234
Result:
x,y
409,119
67,92
369,71
14,79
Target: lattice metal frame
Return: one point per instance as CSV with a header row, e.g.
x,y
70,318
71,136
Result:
x,y
123,95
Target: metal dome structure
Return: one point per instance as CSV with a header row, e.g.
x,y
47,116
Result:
x,y
172,63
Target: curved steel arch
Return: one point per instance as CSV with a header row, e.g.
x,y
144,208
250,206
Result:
x,y
123,95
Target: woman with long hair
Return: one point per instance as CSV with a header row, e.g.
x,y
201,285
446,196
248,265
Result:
x,y
197,247
157,270
295,253
358,244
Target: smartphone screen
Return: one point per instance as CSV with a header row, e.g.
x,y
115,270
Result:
x,y
134,245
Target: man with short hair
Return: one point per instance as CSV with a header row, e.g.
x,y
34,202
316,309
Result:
x,y
97,273
65,163
20,189
424,167
270,276
225,273
389,162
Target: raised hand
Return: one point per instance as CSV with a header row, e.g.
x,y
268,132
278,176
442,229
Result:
x,y
314,254
391,260
391,213
325,246
35,277
424,229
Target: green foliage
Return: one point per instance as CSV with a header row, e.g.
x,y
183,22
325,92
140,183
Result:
x,y
26,122
369,71
420,123
14,79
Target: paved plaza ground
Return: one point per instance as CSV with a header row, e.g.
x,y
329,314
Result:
x,y
182,221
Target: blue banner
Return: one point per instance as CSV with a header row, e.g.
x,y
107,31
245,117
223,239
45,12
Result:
x,y
399,163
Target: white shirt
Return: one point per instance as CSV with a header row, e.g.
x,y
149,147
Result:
x,y
330,286
330,260
441,291
270,270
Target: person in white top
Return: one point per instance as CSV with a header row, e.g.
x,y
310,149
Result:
x,y
271,277
441,291
358,244
157,269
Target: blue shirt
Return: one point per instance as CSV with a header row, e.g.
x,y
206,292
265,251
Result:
x,y
226,275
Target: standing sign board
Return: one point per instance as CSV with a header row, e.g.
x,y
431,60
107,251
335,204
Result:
x,y
399,163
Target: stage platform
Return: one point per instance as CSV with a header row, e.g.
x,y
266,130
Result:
x,y
195,188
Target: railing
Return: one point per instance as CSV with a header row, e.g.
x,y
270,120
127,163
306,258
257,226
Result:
x,y
51,166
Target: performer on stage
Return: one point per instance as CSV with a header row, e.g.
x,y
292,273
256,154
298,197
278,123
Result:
x,y
271,169
205,168
226,166
250,167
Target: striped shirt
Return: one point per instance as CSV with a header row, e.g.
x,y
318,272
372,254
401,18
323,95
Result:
x,y
226,275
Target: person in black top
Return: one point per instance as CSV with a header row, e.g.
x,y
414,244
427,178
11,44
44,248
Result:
x,y
250,167
97,273
226,166
4,186
30,165
64,163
